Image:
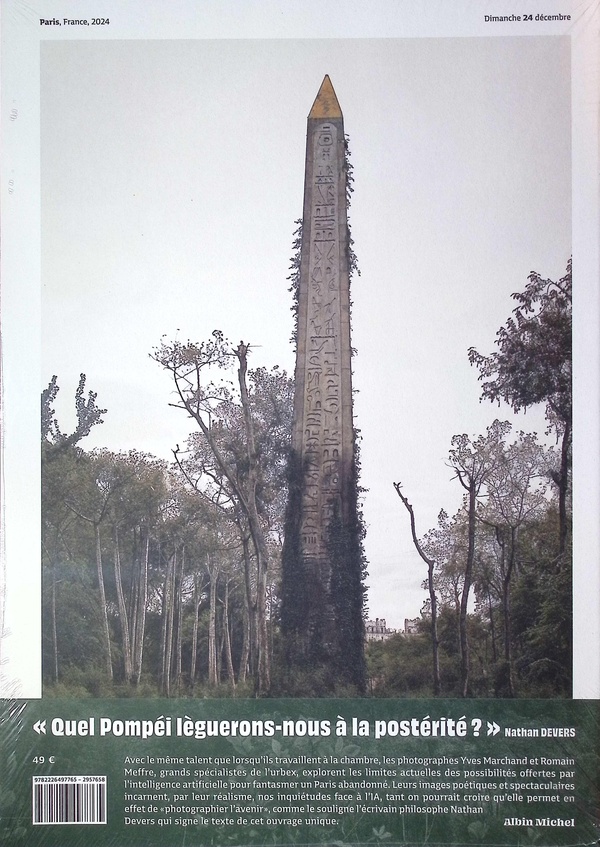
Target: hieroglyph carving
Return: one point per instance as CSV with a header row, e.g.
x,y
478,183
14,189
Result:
x,y
322,408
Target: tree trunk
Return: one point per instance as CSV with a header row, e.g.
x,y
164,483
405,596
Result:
x,y
492,626
464,600
220,648
264,665
141,610
227,636
563,488
167,627
127,665
170,621
197,602
245,653
213,574
251,607
179,639
134,599
258,537
104,610
506,612
435,643
54,633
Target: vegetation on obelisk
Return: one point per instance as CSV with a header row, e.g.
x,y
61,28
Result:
x,y
323,562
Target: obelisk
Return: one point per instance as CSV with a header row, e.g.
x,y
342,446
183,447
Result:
x,y
322,555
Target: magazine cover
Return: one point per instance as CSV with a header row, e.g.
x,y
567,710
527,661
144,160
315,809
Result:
x,y
300,419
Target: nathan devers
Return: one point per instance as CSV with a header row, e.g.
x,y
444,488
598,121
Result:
x,y
539,822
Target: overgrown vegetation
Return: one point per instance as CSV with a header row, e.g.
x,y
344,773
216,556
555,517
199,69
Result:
x,y
153,576
323,601
509,545
153,582
165,579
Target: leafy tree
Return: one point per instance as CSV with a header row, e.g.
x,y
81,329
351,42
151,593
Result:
x,y
54,440
533,364
233,441
61,458
398,667
516,495
89,501
498,543
542,611
182,599
446,544
473,462
504,538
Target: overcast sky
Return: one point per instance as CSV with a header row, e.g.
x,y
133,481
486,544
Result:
x,y
171,167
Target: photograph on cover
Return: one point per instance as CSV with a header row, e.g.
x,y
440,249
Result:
x,y
254,481
294,285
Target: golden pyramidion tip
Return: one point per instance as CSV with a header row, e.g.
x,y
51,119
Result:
x,y
326,104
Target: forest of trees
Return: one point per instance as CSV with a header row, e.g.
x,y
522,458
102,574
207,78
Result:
x,y
164,578
498,618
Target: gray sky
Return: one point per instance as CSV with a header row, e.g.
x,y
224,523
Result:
x,y
171,173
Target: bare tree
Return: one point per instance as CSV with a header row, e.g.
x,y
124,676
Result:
x,y
430,584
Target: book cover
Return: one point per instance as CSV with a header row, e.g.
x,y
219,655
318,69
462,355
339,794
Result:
x,y
335,582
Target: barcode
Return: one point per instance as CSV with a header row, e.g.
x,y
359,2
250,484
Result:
x,y
69,799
